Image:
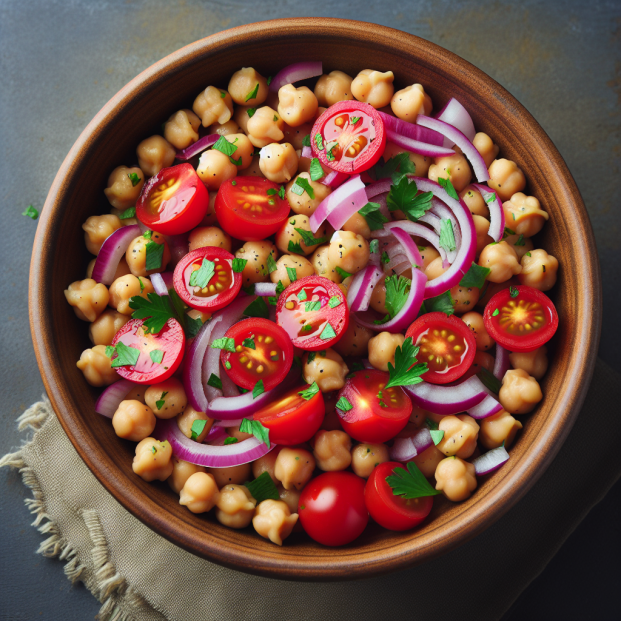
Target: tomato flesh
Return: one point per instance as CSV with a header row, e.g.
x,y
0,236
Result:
x,y
221,288
446,345
263,351
332,509
246,211
520,318
170,340
378,414
314,313
390,511
292,419
174,201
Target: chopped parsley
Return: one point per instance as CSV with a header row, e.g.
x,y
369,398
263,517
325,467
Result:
x,y
447,236
31,212
141,284
302,185
275,118
126,355
374,217
344,405
374,246
271,264
334,301
249,343
227,365
134,178
251,112
319,142
496,313
507,232
357,366
520,241
327,333
309,239
155,253
475,276
491,198
306,328
223,94
397,291
239,265
513,292
404,373
128,213
316,171
302,295
156,355
228,148
306,141
342,273
200,277
292,273
448,186
489,380
354,119
156,310
528,254
226,343
312,306
262,488
396,167
385,258
269,79
436,435
159,404
403,196
442,303
230,440
255,427
311,356
192,326
308,393
410,483
258,390
253,94
198,426
214,381
295,247
279,287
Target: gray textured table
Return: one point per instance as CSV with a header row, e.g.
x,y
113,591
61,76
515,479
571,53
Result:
x,y
61,61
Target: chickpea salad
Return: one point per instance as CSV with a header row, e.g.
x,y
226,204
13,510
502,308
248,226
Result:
x,y
314,305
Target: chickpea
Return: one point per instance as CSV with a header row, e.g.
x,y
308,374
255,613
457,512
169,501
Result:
x,y
246,82
155,153
97,229
486,147
427,254
210,216
348,251
204,236
133,421
103,329
506,178
357,224
236,475
481,227
199,493
166,399
244,149
520,392
136,393
411,101
464,298
214,168
213,105
538,270
254,170
278,162
265,127
302,267
534,362
418,416
333,87
88,298
96,366
475,202
460,435
153,460
332,450
235,507
294,467
182,471
366,456
455,478
241,118
373,87
274,521
497,429
501,259
378,297
291,497
382,349
323,266
121,270
303,203
288,235
428,460
126,287
474,321
186,419
520,244
224,129
256,253
181,129
524,215
421,162
296,106
136,254
355,340
124,185
455,168
434,269
295,136
327,369
267,463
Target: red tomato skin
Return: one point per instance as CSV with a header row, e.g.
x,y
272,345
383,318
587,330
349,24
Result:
x,y
194,211
332,509
172,339
389,510
230,214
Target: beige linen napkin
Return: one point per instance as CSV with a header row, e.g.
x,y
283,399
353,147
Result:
x,y
138,575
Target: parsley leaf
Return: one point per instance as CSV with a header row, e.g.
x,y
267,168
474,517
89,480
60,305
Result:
x,y
495,313
442,303
385,258
306,141
374,246
295,247
128,213
253,94
404,373
448,186
410,483
354,119
279,287
327,333
395,168
319,141
255,427
249,343
156,355
403,196
126,356
302,295
251,112
374,217
302,185
226,343
436,435
507,232
491,198
334,301
316,171
230,440
520,241
228,148
309,239
155,253
262,488
311,356
239,265
447,236
134,178
258,390
489,380
110,351
157,310
292,273
312,306
271,264
192,326
513,292
159,404
342,273
275,118
214,381
433,426
309,392
200,277
31,212
344,405
141,284
397,291
197,428
475,276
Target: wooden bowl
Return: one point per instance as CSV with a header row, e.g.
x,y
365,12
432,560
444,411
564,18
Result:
x,y
137,111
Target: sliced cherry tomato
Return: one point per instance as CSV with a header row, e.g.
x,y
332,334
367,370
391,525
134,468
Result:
x,y
390,511
292,419
220,289
446,344
377,413
349,137
170,340
174,201
249,208
520,318
314,312
263,351
332,509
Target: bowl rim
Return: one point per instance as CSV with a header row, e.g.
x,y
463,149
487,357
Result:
x,y
344,564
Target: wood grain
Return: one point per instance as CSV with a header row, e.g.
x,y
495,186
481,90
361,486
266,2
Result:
x,y
136,112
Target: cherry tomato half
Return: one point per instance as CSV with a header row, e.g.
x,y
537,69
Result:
x,y
292,419
314,312
520,318
378,414
263,351
446,344
250,209
170,340
390,511
332,509
174,201
219,290
349,137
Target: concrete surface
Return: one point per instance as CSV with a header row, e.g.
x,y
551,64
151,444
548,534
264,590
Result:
x,y
61,61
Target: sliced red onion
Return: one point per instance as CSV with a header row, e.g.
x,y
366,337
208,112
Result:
x,y
229,388
110,399
334,179
432,220
192,367
496,212
264,289
340,205
488,407
490,461
111,253
405,449
216,434
366,364
501,364
179,246
361,288
414,229
200,145
446,400
307,152
228,423
162,282
411,131
209,455
414,146
422,439
296,73
456,115
379,187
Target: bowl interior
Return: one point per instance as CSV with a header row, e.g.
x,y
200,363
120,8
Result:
x,y
137,111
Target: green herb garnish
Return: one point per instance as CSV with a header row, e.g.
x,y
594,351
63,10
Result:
x,y
31,212
262,488
255,427
200,277
308,393
410,483
253,94
316,171
239,265
374,217
156,355
226,343
404,373
344,405
126,356
475,276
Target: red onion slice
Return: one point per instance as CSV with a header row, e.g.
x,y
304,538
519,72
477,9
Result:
x,y
334,179
361,288
228,423
192,367
488,407
264,289
307,152
456,115
229,389
414,146
216,434
490,461
413,228
496,212
405,449
445,400
110,399
411,131
200,145
162,282
408,246
294,73
112,251
501,364
347,199
379,187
